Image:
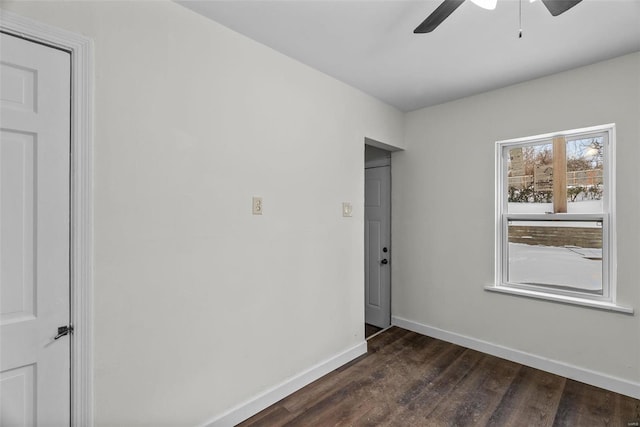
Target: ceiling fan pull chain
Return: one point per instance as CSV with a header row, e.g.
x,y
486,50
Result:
x,y
520,16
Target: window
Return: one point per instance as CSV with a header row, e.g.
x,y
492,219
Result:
x,y
554,215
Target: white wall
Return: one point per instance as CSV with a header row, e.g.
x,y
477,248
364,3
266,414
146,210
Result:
x,y
199,305
443,219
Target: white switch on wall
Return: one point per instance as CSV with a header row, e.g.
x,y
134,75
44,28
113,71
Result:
x,y
257,206
347,209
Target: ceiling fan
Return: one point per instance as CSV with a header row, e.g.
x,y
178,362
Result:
x,y
446,8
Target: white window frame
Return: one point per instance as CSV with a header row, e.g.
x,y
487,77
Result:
x,y
607,300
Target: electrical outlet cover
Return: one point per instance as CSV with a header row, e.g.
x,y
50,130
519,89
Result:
x,y
347,209
257,206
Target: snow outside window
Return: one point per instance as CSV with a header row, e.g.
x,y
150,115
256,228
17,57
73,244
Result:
x,y
554,215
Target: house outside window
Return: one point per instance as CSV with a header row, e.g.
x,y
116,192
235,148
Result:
x,y
555,219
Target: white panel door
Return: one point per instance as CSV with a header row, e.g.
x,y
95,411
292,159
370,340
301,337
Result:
x,y
377,240
34,233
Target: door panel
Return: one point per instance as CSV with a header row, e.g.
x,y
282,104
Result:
x,y
18,90
34,233
377,238
18,396
17,166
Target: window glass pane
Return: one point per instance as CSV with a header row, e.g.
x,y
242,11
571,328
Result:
x,y
563,256
530,178
585,166
530,172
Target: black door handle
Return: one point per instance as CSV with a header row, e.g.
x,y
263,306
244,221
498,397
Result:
x,y
384,261
62,331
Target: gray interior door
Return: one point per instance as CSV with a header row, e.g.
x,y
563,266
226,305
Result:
x,y
377,238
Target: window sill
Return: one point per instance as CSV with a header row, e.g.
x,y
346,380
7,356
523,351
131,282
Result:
x,y
601,305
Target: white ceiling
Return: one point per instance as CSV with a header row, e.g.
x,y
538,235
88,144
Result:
x,y
370,44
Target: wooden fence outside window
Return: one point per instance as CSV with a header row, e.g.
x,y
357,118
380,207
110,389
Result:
x,y
585,178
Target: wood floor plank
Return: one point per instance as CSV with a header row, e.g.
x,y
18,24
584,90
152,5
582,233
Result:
x,y
582,404
407,379
377,383
399,390
627,409
533,395
384,346
454,358
478,393
273,415
387,349
389,336
436,389
335,408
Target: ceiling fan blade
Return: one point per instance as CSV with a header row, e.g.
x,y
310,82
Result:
x,y
441,13
556,7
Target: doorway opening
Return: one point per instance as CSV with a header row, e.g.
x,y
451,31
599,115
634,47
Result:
x,y
377,239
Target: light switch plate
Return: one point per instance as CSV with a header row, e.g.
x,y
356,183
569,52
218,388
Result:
x,y
257,206
347,209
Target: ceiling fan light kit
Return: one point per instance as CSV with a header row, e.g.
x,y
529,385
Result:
x,y
446,8
486,4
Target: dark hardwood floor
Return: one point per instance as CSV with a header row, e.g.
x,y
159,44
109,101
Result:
x,y
407,379
370,330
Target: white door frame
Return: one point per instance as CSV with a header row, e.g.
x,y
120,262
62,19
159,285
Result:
x,y
81,210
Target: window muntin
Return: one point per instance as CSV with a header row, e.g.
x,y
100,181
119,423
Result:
x,y
546,245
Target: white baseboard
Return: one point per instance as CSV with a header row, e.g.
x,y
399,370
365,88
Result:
x,y
587,376
269,397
